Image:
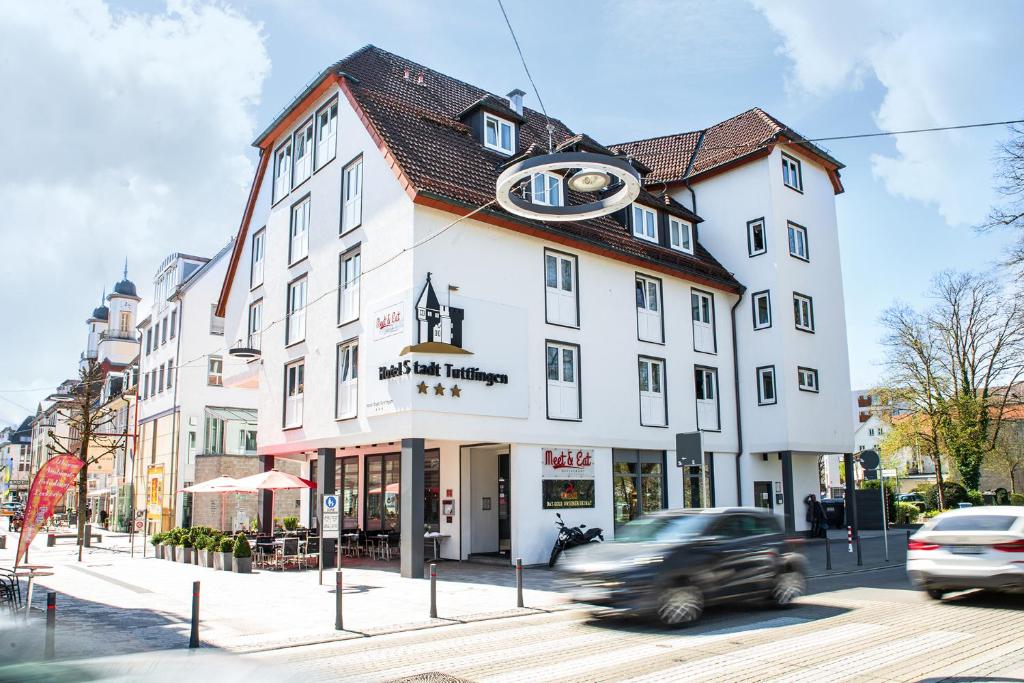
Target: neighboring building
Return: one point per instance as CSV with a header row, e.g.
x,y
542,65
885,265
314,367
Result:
x,y
51,420
187,415
16,457
868,402
500,347
870,432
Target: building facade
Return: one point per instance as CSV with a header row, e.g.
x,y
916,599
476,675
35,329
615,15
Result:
x,y
504,369
16,458
187,414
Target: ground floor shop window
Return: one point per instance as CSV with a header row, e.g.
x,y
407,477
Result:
x,y
432,490
382,492
348,487
638,482
695,485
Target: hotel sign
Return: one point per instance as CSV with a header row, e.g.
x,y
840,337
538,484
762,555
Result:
x,y
567,463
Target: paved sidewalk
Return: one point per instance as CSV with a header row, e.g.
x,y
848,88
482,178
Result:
x,y
143,604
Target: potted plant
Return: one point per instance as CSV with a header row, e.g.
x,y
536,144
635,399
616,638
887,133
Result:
x,y
171,542
187,548
224,548
202,550
290,523
241,555
156,540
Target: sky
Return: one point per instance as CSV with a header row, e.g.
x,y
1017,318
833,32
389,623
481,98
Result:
x,y
128,125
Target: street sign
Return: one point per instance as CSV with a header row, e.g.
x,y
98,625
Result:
x,y
869,459
138,525
330,513
689,450
891,473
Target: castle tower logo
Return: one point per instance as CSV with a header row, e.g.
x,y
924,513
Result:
x,y
439,326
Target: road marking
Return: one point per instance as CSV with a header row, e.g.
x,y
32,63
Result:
x,y
613,655
873,657
749,658
123,584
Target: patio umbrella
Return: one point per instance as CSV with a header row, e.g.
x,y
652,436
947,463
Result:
x,y
222,485
273,481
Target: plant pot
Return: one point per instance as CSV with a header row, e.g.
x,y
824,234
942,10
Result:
x,y
171,553
185,554
241,565
208,561
158,550
222,561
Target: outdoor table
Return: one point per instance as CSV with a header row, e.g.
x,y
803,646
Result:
x,y
383,541
436,537
31,574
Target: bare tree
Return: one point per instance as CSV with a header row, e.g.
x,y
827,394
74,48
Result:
x,y
92,433
959,364
1010,184
1008,456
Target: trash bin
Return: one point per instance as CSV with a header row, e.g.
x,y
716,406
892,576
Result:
x,y
835,512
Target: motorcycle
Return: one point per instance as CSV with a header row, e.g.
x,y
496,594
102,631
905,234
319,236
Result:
x,y
572,536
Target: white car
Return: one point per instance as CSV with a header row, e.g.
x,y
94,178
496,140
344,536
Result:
x,y
977,547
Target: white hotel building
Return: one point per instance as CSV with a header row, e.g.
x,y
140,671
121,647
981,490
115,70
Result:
x,y
404,351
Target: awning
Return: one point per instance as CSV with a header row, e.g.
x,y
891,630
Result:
x,y
232,414
97,492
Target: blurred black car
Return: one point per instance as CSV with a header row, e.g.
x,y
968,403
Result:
x,y
672,563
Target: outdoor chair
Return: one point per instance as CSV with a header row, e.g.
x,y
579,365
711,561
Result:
x,y
10,589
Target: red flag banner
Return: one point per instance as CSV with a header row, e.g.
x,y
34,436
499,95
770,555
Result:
x,y
48,488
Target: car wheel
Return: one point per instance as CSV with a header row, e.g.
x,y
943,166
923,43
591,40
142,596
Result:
x,y
680,605
789,585
935,593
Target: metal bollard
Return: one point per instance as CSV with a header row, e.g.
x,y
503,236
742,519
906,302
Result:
x,y
51,623
828,553
87,540
860,560
338,623
519,582
433,590
193,640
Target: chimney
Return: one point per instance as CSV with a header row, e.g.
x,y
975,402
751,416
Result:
x,y
406,76
515,99
419,78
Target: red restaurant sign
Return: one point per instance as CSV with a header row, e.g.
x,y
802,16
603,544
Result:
x,y
568,463
48,488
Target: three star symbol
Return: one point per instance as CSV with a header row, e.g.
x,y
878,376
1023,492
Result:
x,y
439,389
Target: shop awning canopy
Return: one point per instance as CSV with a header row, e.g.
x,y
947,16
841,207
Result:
x,y
231,414
223,484
275,480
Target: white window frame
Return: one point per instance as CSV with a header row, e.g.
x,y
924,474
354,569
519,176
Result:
x,y
680,235
326,135
352,195
346,398
796,234
302,167
216,322
282,171
803,312
500,124
653,392
257,257
752,249
702,316
350,272
298,230
215,371
792,174
709,418
564,401
170,369
803,375
561,295
755,299
645,223
294,391
766,372
254,337
650,309
295,327
549,183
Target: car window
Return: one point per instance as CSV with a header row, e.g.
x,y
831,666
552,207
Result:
x,y
661,528
975,523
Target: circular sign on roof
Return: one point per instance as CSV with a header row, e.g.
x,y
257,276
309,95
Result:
x,y
869,459
589,166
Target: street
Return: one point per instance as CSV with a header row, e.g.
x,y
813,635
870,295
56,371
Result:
x,y
858,626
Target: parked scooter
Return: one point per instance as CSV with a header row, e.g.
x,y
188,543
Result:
x,y
572,536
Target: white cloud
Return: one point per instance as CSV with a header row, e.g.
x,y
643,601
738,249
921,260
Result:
x,y
938,63
125,134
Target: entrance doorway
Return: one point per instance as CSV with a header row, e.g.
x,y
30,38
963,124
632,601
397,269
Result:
x,y
763,495
487,502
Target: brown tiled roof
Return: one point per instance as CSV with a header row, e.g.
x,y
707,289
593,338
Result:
x,y
684,156
439,156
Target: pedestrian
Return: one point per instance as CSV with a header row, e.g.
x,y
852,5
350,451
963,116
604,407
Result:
x,y
816,516
104,516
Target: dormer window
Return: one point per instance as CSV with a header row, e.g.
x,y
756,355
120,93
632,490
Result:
x,y
498,134
546,188
680,234
645,223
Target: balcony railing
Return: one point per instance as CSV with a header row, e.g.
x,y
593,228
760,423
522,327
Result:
x,y
126,335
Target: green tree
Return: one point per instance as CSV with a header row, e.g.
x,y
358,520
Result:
x,y
957,365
